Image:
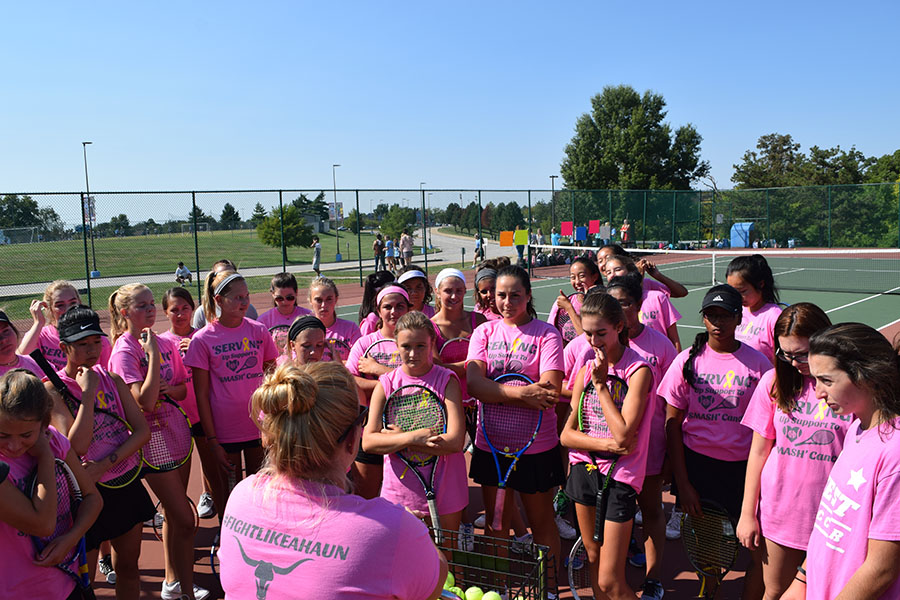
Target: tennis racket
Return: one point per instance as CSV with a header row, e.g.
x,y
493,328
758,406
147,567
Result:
x,y
279,335
412,407
384,352
508,431
579,576
71,402
563,321
710,543
171,443
336,349
68,495
592,422
455,350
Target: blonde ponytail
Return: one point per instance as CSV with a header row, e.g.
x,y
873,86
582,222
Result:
x,y
121,300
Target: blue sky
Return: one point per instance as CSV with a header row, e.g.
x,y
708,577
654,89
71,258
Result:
x,y
237,95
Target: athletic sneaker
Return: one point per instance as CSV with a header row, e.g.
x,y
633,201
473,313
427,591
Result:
x,y
638,518
560,502
172,591
106,568
652,590
577,563
636,556
205,508
520,545
466,537
673,527
480,521
566,531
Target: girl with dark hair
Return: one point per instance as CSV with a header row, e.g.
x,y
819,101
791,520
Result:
x,y
420,293
752,277
368,311
519,343
483,294
854,548
708,388
605,327
583,276
658,351
663,283
9,359
783,481
285,300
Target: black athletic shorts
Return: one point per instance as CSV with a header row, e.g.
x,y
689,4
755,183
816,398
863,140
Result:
x,y
581,487
534,473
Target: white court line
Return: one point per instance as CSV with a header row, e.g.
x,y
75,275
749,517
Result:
x,y
691,326
862,300
894,322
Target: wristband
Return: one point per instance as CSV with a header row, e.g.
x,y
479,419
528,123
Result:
x,y
800,569
803,581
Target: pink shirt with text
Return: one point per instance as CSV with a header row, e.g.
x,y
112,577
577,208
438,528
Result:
x,y
714,405
48,343
345,330
575,355
659,352
450,481
757,329
657,312
631,468
23,361
234,358
190,400
308,540
530,349
859,503
272,317
19,576
807,443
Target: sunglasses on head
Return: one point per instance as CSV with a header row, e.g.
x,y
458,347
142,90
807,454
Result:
x,y
357,422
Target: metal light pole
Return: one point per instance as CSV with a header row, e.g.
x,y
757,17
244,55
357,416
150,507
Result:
x,y
336,232
424,229
91,208
429,212
552,203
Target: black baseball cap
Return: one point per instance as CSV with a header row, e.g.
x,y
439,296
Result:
x,y
4,318
723,296
78,323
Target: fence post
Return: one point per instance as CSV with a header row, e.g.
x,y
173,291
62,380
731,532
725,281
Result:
x,y
714,218
358,238
829,216
572,196
530,267
673,219
768,218
699,218
196,242
644,222
480,235
425,231
87,266
281,220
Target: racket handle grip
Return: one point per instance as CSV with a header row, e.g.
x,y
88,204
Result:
x,y
435,522
600,516
500,501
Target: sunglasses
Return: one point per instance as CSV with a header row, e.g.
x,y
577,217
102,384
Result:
x,y
285,298
802,357
357,422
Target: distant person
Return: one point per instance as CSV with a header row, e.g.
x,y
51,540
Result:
x,y
479,250
406,249
378,251
554,237
182,274
540,237
626,234
389,254
520,248
317,254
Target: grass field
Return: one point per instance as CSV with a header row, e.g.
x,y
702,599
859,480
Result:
x,y
139,255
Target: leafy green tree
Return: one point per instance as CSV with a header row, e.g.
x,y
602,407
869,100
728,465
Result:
x,y
19,211
397,219
317,206
354,221
296,232
230,218
508,216
381,211
470,217
885,169
259,214
52,227
119,225
487,216
623,143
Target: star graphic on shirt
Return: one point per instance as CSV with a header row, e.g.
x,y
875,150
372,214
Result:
x,y
856,479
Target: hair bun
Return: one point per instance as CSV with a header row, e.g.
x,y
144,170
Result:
x,y
291,390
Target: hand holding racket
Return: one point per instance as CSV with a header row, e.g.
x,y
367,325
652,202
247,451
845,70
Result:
x,y
279,335
563,321
336,350
414,408
382,352
171,443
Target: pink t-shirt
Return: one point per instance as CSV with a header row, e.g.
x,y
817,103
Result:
x,y
529,349
575,355
714,406
345,330
272,317
358,350
439,342
234,357
48,342
24,579
24,362
189,404
859,503
757,329
129,361
807,442
450,482
657,311
488,314
369,324
651,285
631,468
659,352
306,540
555,310
427,310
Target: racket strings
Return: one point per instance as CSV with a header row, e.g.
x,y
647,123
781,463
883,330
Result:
x,y
710,541
385,353
411,411
455,351
509,428
170,437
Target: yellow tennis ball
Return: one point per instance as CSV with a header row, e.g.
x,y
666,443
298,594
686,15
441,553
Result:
x,y
451,581
458,591
491,596
474,593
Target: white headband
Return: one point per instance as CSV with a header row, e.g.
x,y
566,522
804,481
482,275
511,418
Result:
x,y
225,282
445,273
411,275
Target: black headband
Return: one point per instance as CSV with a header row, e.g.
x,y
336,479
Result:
x,y
303,323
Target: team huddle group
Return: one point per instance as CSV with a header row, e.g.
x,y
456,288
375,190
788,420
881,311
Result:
x,y
785,420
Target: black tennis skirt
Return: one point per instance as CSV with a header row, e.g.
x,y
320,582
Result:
x,y
534,473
